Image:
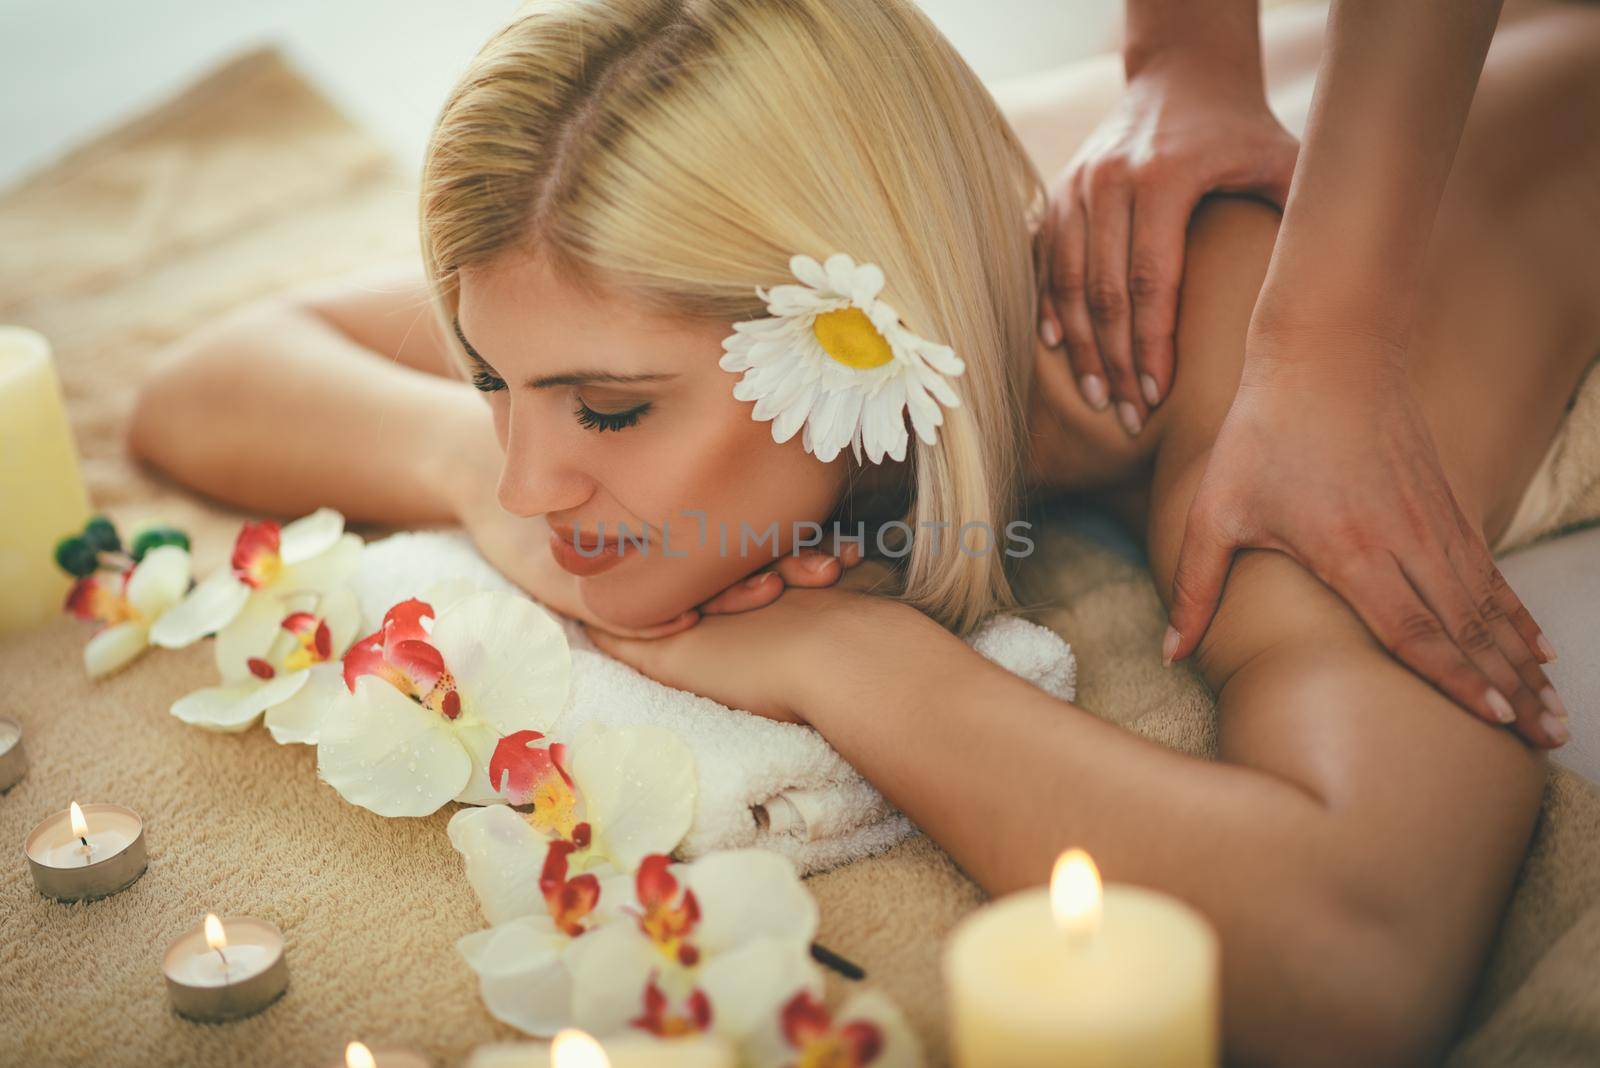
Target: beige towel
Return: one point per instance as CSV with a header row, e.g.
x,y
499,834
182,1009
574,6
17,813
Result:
x,y
246,185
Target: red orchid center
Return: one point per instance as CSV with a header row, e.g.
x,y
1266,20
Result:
x,y
570,901
102,598
667,920
312,644
255,554
663,1020
808,1028
401,654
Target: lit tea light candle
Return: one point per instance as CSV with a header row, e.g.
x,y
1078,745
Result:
x,y
225,969
86,852
13,758
572,1048
357,1055
1080,974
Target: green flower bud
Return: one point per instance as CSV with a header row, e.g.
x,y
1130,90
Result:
x,y
155,537
101,535
76,556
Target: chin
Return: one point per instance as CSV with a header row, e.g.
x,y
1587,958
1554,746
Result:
x,y
634,601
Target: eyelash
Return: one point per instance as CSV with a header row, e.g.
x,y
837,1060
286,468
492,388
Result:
x,y
599,422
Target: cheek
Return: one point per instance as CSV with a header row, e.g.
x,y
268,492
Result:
x,y
744,482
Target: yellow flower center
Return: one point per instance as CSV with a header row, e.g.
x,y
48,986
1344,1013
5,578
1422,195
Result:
x,y
847,335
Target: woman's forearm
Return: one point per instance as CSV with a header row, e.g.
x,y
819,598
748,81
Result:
x,y
276,411
1396,82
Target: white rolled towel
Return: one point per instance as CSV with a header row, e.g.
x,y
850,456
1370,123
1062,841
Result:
x,y
779,786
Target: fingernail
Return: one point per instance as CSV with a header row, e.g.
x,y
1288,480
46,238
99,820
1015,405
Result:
x,y
1554,728
1546,650
1552,701
1169,646
1499,705
818,564
756,580
1094,391
1050,332
1129,415
1152,395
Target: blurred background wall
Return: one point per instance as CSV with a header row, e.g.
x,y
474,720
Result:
x,y
70,69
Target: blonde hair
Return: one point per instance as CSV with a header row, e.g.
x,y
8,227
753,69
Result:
x,y
678,152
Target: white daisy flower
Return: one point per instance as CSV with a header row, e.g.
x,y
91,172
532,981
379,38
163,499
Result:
x,y
837,360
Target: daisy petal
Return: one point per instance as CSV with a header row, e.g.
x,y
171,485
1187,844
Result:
x,y
808,271
639,786
208,608
520,974
310,535
235,707
789,420
866,285
390,754
159,581
841,271
115,647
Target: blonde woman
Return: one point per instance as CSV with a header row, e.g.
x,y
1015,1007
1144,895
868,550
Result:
x,y
604,191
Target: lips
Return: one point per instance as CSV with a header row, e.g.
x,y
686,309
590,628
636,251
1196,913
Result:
x,y
596,554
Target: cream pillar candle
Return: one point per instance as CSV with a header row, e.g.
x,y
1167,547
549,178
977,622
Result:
x,y
1112,977
41,492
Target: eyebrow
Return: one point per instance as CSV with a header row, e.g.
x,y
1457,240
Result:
x,y
566,378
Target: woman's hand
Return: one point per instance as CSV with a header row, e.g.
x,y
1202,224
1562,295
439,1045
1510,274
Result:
x,y
1110,250
1324,456
764,662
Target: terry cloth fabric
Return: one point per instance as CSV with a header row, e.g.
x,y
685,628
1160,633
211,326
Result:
x,y
244,186
761,783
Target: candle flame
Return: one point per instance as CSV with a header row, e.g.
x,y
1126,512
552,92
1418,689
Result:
x,y
80,826
216,937
1075,894
357,1055
575,1049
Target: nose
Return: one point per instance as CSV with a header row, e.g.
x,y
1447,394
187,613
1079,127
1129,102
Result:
x,y
539,476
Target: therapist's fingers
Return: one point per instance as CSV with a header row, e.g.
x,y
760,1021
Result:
x,y
749,593
1068,268
1513,700
1155,270
1374,584
1109,198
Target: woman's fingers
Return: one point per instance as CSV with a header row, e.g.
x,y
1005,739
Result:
x,y
1068,270
809,569
1109,199
754,591
681,622
1155,267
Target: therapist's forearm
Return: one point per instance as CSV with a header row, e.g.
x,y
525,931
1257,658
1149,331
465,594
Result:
x,y
1222,36
1396,82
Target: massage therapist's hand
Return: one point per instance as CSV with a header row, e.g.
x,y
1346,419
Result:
x,y
1110,249
1329,460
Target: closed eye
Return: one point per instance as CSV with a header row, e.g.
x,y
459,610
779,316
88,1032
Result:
x,y
486,381
600,422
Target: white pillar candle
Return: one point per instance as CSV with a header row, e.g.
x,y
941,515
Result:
x,y
1083,975
225,968
38,468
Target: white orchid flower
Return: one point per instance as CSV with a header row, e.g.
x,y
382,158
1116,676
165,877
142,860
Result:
x,y
128,604
546,877
719,944
308,556
432,697
868,1030
283,663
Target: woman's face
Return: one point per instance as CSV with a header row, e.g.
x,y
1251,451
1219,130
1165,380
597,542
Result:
x,y
610,416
